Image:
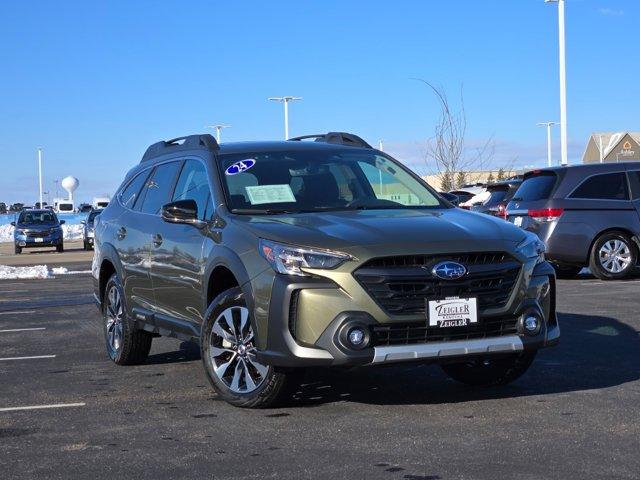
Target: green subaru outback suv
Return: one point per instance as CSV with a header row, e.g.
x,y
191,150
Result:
x,y
318,251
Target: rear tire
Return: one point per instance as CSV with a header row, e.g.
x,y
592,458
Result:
x,y
229,357
613,256
125,345
489,371
566,271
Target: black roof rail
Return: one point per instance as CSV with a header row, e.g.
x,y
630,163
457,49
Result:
x,y
339,138
190,142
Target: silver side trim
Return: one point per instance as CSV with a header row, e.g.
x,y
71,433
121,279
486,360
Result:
x,y
399,353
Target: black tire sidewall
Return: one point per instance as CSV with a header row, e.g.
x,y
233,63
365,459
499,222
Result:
x,y
230,298
594,264
114,281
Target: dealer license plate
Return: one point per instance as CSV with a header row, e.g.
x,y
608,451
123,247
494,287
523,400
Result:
x,y
38,240
452,312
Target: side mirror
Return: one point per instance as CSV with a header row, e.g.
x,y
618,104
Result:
x,y
62,222
13,224
182,211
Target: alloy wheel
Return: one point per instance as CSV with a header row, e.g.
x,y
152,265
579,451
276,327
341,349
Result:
x,y
232,352
115,317
614,256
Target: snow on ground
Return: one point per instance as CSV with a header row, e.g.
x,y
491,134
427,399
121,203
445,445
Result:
x,y
71,232
36,271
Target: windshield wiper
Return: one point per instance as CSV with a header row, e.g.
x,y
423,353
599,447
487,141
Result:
x,y
259,211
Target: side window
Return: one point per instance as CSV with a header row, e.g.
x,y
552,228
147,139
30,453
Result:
x,y
131,192
634,180
193,185
157,191
608,186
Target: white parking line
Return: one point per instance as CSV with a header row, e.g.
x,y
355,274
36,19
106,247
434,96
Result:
x,y
36,357
42,407
15,312
11,330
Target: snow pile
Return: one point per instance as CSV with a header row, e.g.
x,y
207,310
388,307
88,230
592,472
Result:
x,y
71,231
35,272
21,273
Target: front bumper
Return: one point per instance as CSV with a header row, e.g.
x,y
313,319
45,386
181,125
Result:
x,y
24,241
536,292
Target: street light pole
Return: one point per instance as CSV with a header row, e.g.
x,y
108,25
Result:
x,y
40,174
548,125
285,101
217,128
563,82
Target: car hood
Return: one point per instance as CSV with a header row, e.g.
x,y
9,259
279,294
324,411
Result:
x,y
347,230
38,227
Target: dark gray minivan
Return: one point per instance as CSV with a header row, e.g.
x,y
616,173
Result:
x,y
586,214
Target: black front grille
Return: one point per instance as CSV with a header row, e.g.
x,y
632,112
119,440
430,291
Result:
x,y
410,333
37,234
402,284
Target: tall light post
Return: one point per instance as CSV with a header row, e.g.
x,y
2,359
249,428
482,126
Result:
x,y
563,82
548,125
285,101
40,173
217,128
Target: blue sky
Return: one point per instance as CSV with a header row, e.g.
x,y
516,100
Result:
x,y
94,83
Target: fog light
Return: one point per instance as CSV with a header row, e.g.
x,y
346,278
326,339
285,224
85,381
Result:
x,y
356,337
531,324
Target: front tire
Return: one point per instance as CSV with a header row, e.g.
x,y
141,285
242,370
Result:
x,y
490,371
229,357
613,256
60,248
125,345
17,250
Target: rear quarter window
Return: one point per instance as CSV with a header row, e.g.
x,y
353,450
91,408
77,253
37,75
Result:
x,y
607,186
536,187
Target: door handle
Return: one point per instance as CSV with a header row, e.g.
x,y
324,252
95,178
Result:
x,y
122,232
157,240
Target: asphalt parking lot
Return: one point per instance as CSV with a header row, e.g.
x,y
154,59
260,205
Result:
x,y
575,414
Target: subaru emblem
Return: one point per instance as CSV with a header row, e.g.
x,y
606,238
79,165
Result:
x,y
448,270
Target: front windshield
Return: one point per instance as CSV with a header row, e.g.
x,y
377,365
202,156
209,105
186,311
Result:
x,y
309,181
37,218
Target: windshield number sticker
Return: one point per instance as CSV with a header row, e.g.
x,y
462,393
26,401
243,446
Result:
x,y
239,167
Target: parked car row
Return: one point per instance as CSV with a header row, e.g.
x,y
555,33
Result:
x,y
587,215
38,228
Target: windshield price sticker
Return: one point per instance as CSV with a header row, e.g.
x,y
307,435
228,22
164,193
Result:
x,y
453,312
239,167
270,194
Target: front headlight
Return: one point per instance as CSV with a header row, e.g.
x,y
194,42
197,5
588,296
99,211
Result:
x,y
20,232
532,247
291,260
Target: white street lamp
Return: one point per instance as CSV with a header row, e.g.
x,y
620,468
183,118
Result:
x,y
563,82
217,128
286,101
548,125
40,174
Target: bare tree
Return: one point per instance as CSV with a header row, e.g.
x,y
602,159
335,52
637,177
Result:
x,y
446,148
